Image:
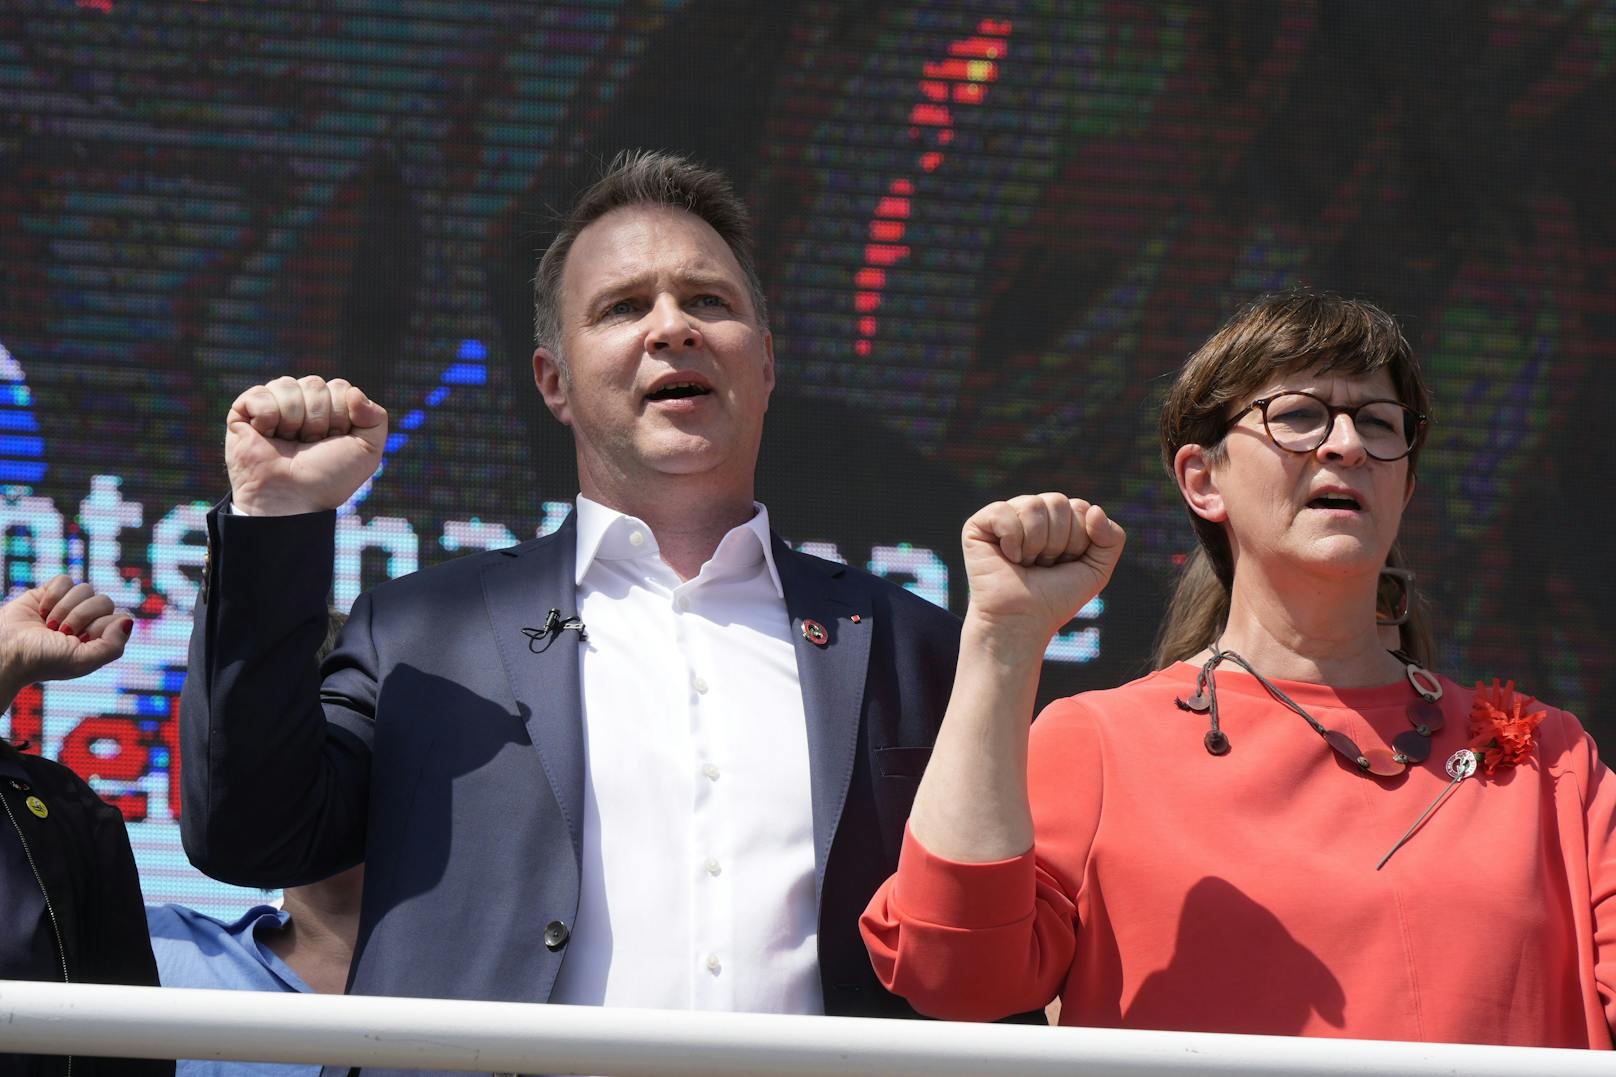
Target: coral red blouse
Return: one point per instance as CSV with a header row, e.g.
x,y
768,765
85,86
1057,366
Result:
x,y
1171,889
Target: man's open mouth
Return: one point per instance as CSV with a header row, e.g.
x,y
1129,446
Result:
x,y
681,390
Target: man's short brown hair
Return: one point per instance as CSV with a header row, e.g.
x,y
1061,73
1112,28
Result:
x,y
646,178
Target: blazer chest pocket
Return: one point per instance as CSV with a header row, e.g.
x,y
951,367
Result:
x,y
902,762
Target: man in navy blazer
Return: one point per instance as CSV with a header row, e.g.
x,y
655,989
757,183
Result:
x,y
476,752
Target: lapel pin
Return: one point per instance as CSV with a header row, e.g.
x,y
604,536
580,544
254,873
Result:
x,y
815,633
856,618
37,806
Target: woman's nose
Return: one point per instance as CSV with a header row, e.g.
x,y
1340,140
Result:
x,y
1342,442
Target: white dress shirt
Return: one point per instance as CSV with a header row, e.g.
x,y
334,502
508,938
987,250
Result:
x,y
698,856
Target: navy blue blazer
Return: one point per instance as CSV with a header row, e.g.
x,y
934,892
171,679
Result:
x,y
435,746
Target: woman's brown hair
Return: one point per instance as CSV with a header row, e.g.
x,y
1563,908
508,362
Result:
x,y
1276,334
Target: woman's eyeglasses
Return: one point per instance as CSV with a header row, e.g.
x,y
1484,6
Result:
x,y
1301,422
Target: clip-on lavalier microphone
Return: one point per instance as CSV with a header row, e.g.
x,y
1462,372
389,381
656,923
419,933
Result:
x,y
554,625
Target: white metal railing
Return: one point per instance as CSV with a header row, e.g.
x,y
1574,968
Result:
x,y
500,1037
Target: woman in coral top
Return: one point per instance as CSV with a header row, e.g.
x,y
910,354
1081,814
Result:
x,y
1206,848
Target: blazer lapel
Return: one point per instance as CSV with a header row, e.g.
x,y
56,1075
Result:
x,y
520,590
832,679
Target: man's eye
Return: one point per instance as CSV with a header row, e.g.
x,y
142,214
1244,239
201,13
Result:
x,y
710,301
622,306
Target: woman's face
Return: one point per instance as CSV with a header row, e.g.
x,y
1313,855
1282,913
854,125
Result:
x,y
1335,509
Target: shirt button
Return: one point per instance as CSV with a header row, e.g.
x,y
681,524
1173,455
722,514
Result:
x,y
713,965
636,538
712,866
699,685
681,603
711,770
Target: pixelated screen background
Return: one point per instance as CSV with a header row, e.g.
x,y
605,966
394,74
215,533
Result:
x,y
989,232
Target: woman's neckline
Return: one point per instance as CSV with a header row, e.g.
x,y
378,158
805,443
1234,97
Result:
x,y
1233,679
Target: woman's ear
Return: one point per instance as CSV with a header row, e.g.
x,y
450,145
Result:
x,y
1192,467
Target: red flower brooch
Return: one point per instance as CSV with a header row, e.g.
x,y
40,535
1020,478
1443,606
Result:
x,y
1501,732
1501,729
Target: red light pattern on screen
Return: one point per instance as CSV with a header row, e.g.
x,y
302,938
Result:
x,y
28,718
105,6
960,80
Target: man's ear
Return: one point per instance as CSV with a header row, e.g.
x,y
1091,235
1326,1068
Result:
x,y
1192,467
768,366
549,376
1408,494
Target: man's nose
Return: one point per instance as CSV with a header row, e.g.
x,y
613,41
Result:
x,y
669,325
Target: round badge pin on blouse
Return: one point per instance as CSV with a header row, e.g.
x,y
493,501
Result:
x,y
1460,765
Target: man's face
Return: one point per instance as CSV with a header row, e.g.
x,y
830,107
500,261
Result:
x,y
666,372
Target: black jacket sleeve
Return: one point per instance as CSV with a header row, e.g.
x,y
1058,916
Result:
x,y
116,948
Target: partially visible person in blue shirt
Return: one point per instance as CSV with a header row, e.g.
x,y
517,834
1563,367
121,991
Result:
x,y
195,950
306,946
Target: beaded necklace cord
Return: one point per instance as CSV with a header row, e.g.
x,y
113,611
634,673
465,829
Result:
x,y
1411,746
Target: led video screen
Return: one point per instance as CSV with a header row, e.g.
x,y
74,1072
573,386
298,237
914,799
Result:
x,y
989,233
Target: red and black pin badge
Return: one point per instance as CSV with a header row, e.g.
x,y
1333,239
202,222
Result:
x,y
815,633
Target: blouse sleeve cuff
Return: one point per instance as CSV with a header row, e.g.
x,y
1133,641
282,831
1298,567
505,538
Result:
x,y
953,893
